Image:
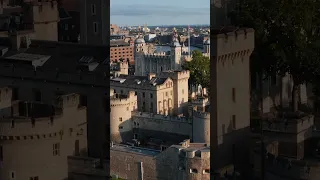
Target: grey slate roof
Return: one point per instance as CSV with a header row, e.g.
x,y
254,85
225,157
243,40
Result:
x,y
139,80
64,56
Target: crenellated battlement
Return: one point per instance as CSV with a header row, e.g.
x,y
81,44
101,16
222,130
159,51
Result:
x,y
123,100
176,75
69,100
33,128
137,114
193,150
202,115
289,125
157,55
200,101
233,42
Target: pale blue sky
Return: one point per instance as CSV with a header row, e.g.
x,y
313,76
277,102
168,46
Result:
x,y
159,12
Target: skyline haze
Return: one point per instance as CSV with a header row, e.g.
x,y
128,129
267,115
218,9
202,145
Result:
x,y
153,13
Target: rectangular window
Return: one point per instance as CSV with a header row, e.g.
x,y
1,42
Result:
x,y
66,27
15,93
56,149
143,94
234,121
120,119
37,95
151,95
12,175
234,94
93,9
151,107
83,100
95,27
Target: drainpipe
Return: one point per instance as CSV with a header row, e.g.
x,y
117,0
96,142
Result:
x,y
141,171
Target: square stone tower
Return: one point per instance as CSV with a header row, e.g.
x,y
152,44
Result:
x,y
93,17
230,93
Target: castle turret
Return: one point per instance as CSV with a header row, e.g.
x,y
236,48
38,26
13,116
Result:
x,y
206,46
45,17
121,107
200,120
139,50
175,54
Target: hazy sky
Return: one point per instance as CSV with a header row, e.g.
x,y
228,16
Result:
x,y
159,12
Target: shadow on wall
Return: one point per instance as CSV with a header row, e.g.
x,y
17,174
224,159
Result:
x,y
166,165
235,149
126,135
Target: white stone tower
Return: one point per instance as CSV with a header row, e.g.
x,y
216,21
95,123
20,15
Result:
x,y
140,49
175,55
206,46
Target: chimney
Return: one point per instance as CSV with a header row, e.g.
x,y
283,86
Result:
x,y
19,40
15,44
151,75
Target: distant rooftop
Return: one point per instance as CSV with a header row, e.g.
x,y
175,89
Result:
x,y
139,80
115,43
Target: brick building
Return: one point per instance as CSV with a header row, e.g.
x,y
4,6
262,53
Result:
x,y
119,49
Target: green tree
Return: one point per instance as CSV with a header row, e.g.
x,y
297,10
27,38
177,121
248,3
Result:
x,y
287,38
199,69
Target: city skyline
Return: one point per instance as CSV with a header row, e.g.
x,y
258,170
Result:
x,y
155,13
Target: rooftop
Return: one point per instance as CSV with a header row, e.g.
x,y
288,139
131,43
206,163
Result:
x,y
136,150
118,43
138,80
64,57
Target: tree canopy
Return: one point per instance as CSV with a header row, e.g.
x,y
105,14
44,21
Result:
x,y
199,68
287,38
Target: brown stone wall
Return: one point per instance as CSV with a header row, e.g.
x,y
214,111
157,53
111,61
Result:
x,y
126,165
200,165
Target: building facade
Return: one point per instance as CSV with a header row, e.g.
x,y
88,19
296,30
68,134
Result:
x,y
120,50
230,93
93,18
37,138
164,94
56,69
156,62
41,16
